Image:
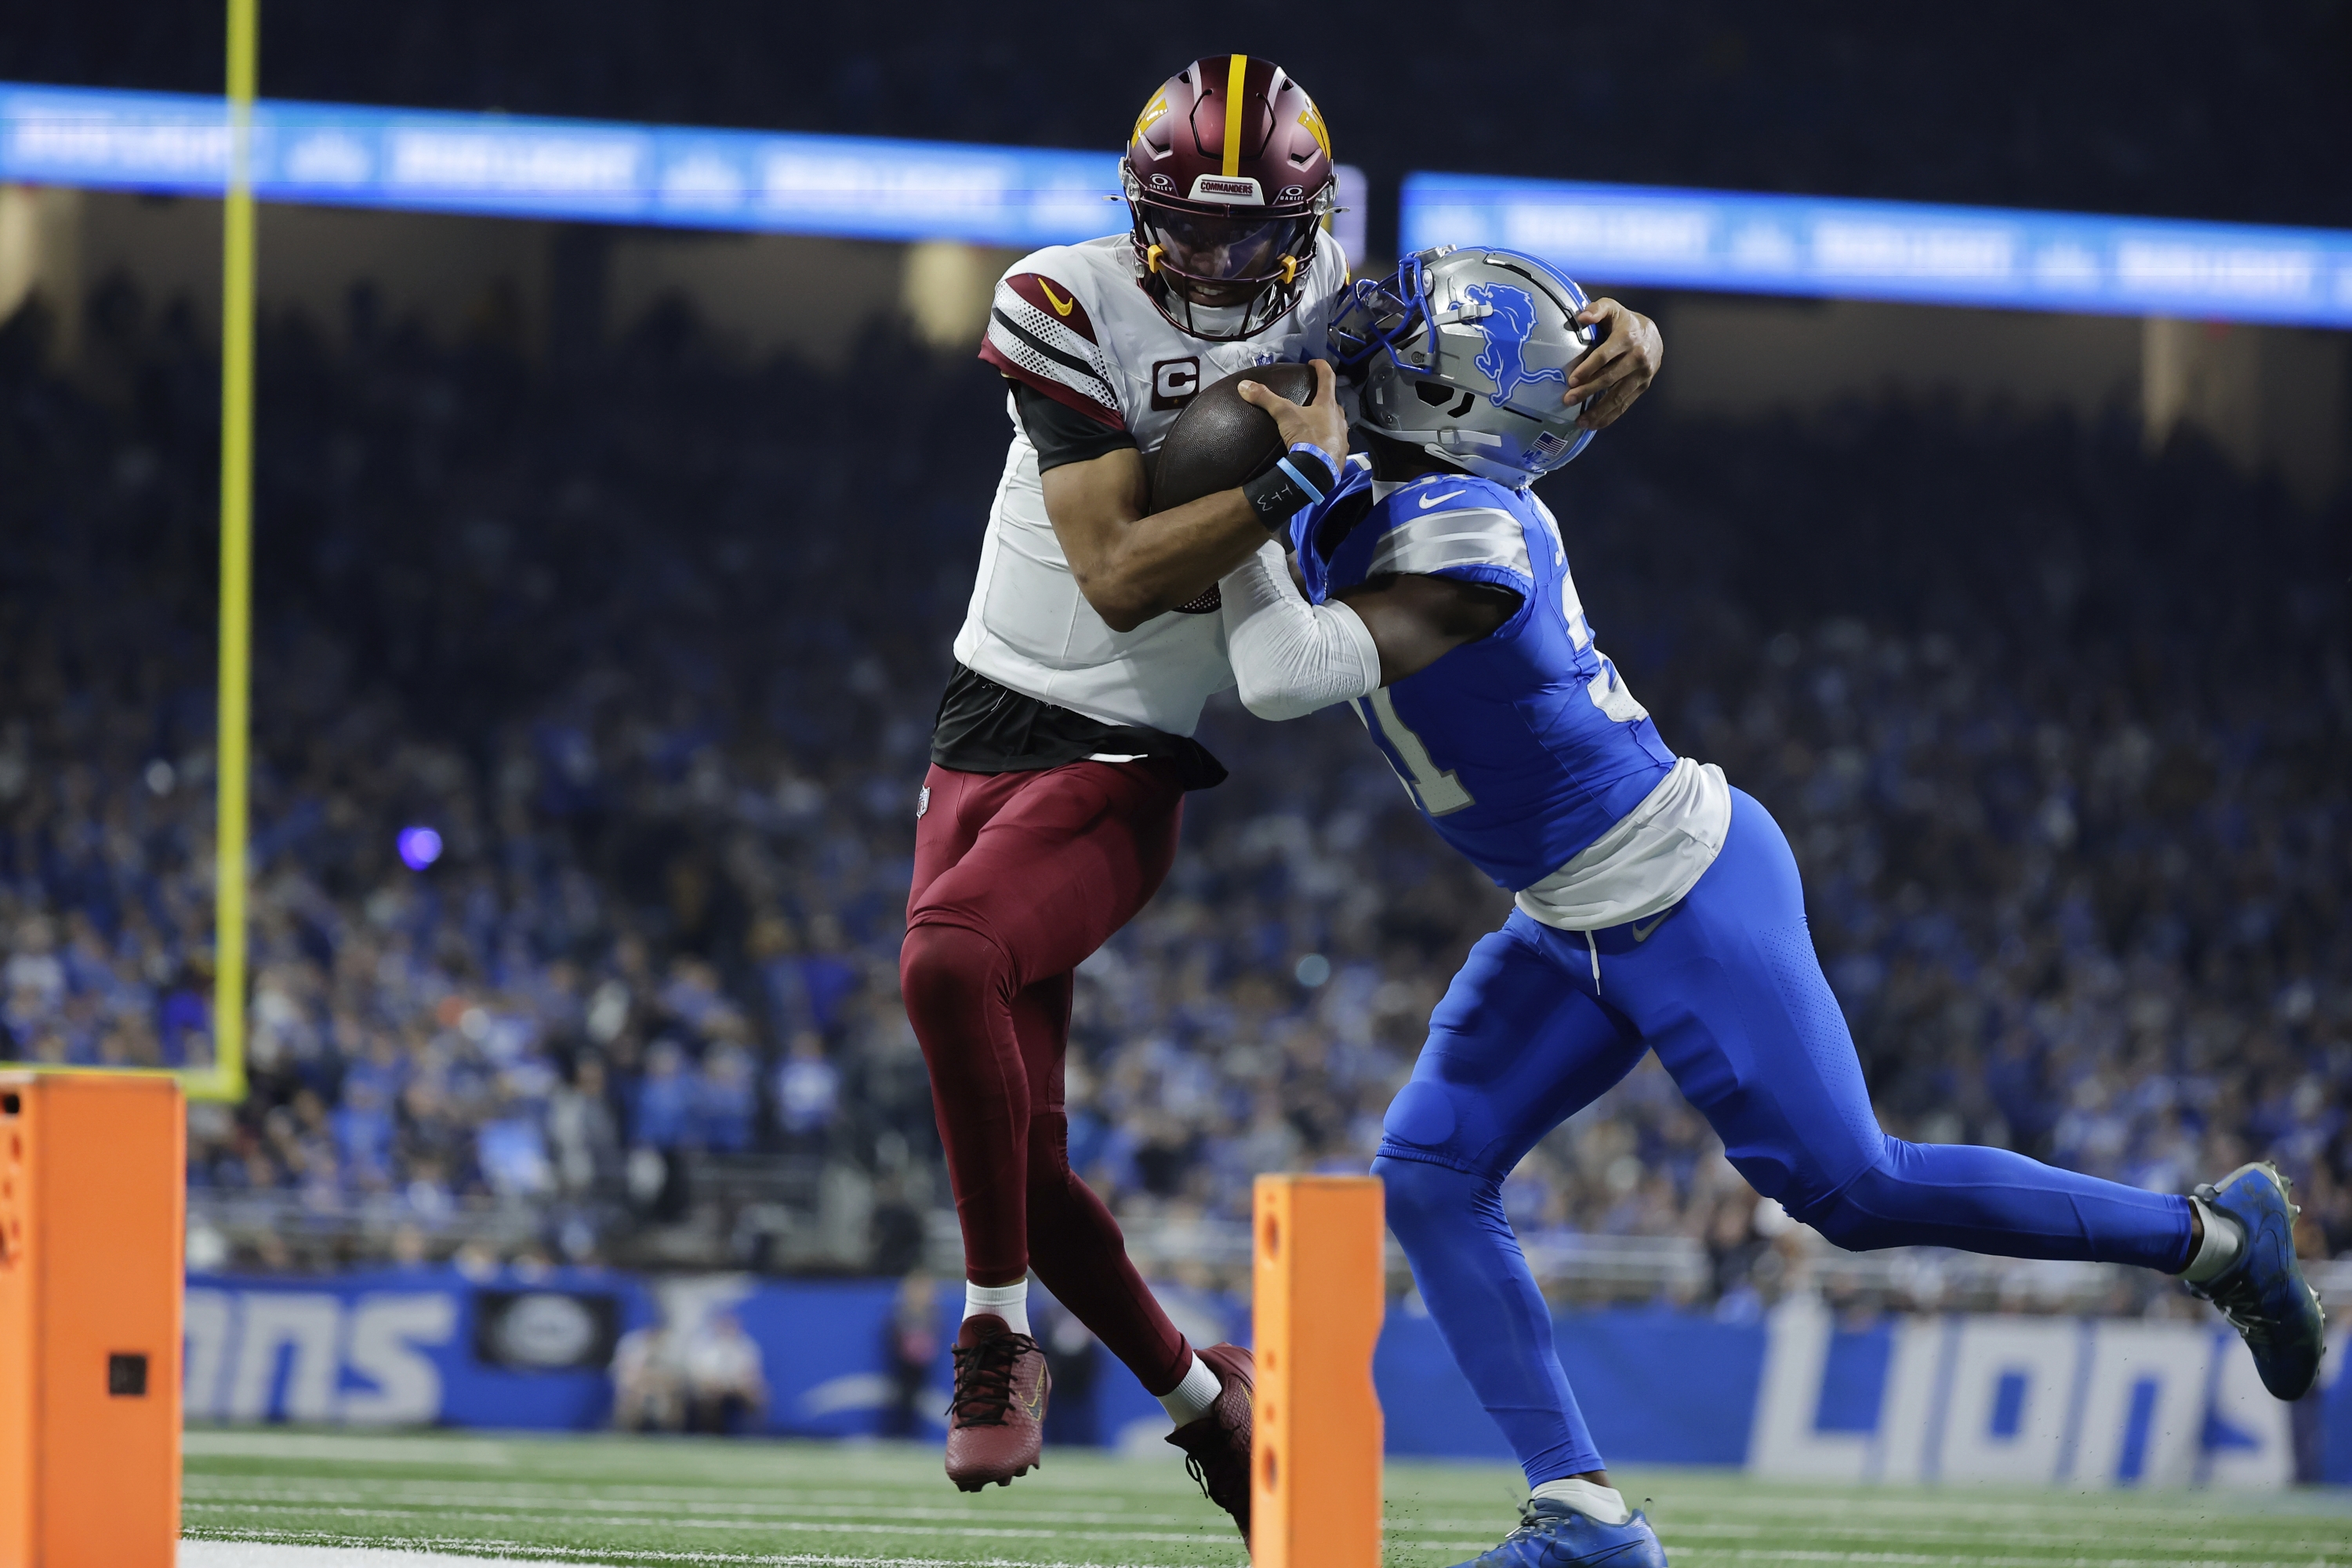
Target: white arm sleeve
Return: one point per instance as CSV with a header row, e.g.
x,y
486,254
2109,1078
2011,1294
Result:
x,y
1289,656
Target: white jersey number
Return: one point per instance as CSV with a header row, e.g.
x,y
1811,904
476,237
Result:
x,y
1436,791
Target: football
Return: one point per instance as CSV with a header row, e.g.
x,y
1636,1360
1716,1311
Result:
x,y
1220,441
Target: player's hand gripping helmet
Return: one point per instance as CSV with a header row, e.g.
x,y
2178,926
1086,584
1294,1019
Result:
x,y
1228,175
1465,354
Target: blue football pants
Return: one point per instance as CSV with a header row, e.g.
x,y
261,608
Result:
x,y
1726,989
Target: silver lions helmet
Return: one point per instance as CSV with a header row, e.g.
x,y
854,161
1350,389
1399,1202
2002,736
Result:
x,y
1465,354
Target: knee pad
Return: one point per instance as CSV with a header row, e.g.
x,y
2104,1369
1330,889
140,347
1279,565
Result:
x,y
1435,1210
944,969
1432,1120
1418,1190
1863,1215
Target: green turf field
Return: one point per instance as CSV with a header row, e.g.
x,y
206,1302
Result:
x,y
629,1501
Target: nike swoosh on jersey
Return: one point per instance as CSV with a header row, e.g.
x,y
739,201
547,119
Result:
x,y
1642,932
1425,503
1061,306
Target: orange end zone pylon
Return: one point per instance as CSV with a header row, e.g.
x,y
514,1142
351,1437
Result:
x,y
1315,1487
94,1224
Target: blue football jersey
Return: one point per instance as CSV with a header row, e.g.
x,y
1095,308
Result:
x,y
1525,746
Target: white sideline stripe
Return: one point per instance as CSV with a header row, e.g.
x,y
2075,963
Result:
x,y
264,1554
822,1527
1818,1512
574,1494
537,1554
1731,1553
343,1451
520,1503
521,1506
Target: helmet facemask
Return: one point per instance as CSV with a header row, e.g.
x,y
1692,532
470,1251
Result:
x,y
1379,316
1222,273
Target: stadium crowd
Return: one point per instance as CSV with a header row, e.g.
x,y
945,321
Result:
x,y
2059,729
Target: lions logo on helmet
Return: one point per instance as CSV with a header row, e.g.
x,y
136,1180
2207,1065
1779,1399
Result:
x,y
1510,318
1443,348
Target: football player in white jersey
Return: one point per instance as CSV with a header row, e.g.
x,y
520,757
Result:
x,y
1064,746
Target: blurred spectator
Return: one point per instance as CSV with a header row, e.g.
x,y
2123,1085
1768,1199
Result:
x,y
512,1153
1733,1245
1074,1356
728,1099
726,1378
664,1115
808,1088
586,1143
898,1235
910,1351
650,1380
364,1132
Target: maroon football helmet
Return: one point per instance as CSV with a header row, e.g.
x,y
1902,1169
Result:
x,y
1228,175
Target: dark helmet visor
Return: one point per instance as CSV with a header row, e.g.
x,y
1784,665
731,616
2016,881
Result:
x,y
1220,250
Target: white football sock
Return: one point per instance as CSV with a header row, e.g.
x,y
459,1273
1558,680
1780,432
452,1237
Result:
x,y
1010,1302
2225,1238
1603,1505
1190,1399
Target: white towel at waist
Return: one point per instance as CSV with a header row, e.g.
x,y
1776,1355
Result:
x,y
1645,863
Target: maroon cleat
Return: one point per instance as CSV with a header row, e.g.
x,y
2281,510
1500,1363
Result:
x,y
1217,1446
996,1421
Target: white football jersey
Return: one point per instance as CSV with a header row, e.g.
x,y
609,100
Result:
x,y
1073,321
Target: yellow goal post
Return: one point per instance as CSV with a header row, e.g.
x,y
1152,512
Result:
x,y
224,1078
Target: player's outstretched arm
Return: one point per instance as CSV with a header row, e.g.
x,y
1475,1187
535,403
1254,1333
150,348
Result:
x,y
1291,657
1132,566
1620,368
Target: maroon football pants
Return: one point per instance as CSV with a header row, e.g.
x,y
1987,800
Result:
x,y
1018,877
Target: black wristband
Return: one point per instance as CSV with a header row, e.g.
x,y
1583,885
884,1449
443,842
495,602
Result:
x,y
1299,477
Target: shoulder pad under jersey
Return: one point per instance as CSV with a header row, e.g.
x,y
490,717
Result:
x,y
1040,333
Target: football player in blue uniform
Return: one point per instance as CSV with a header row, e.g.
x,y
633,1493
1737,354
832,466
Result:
x,y
1658,908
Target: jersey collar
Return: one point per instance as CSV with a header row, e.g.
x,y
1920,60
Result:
x,y
1383,488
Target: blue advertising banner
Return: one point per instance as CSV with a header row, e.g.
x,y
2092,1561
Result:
x,y
1022,197
352,156
2074,1402
1750,244
432,1346
1656,1387
347,155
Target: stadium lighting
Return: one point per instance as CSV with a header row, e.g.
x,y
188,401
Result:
x,y
418,846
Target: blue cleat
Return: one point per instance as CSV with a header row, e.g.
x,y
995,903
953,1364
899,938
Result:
x,y
2263,1294
1553,1535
